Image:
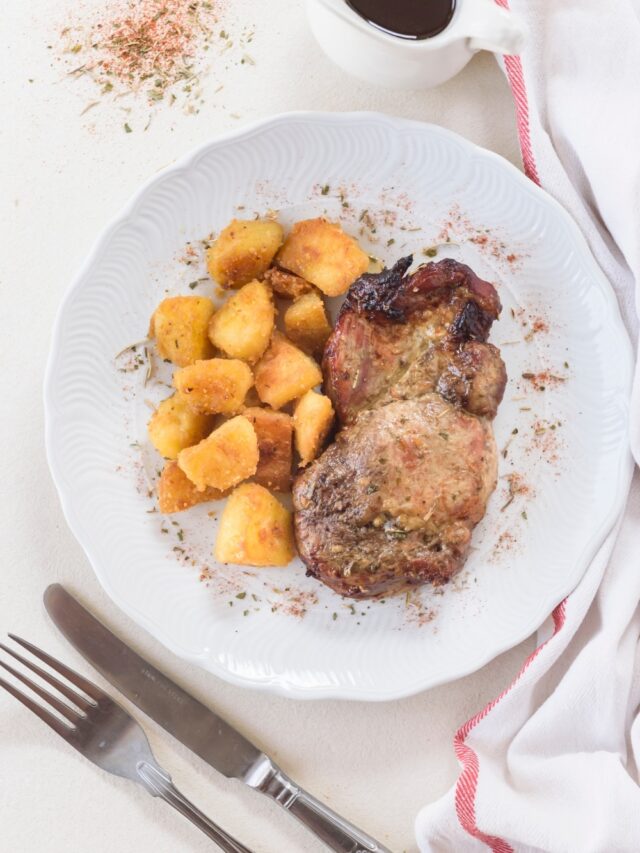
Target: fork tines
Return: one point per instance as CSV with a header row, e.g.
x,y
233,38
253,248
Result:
x,y
72,714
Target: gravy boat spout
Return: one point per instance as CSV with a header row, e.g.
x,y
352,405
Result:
x,y
490,27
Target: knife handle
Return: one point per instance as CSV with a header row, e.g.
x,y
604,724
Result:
x,y
336,832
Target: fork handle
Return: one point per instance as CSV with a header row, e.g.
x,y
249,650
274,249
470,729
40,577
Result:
x,y
159,784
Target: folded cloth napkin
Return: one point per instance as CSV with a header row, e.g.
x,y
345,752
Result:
x,y
552,763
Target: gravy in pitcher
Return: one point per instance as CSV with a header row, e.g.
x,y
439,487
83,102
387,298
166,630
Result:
x,y
409,19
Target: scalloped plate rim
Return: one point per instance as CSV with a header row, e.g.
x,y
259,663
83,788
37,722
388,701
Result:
x,y
280,685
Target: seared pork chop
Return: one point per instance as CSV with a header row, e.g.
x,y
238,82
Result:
x,y
393,501
399,336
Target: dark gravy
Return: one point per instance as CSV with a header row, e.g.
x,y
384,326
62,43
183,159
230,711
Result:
x,y
409,19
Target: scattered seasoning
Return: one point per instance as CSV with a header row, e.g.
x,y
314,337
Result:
x,y
416,611
458,228
241,595
516,487
431,252
546,440
297,602
127,128
506,543
90,106
150,47
544,379
131,347
325,190
536,325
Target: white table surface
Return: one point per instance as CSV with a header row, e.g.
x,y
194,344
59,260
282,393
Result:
x,y
62,178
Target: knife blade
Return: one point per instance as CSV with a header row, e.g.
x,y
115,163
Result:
x,y
195,725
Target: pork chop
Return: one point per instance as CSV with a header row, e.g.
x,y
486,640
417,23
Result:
x,y
399,336
393,501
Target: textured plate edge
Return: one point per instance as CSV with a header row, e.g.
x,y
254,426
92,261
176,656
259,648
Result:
x,y
280,686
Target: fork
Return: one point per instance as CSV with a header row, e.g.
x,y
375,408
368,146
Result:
x,y
104,733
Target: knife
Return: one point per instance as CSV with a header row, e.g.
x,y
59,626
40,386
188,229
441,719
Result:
x,y
195,725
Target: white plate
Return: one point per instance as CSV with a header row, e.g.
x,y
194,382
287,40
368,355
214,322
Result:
x,y
276,629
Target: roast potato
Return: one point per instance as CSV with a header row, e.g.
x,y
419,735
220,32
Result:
x,y
243,251
312,420
180,325
284,372
176,492
224,459
286,284
174,425
255,529
242,327
275,434
306,323
214,386
320,252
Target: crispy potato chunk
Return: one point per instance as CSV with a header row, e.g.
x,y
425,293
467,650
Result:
x,y
174,425
176,492
214,386
224,459
284,372
244,251
255,529
286,284
312,420
242,327
322,253
275,433
306,323
180,325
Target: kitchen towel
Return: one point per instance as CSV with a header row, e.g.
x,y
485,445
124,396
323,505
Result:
x,y
552,763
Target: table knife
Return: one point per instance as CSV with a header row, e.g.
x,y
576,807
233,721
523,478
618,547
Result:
x,y
197,726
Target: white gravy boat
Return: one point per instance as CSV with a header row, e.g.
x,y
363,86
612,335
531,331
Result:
x,y
367,52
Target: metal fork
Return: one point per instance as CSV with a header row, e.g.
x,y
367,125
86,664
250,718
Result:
x,y
104,733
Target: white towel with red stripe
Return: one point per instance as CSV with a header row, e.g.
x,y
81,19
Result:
x,y
553,763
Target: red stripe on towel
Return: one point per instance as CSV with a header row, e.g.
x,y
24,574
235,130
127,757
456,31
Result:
x,y
513,67
467,784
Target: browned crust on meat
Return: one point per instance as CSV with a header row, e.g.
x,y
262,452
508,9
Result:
x,y
391,321
394,296
392,503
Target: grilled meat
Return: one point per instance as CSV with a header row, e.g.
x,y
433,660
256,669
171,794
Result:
x,y
393,501
399,336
